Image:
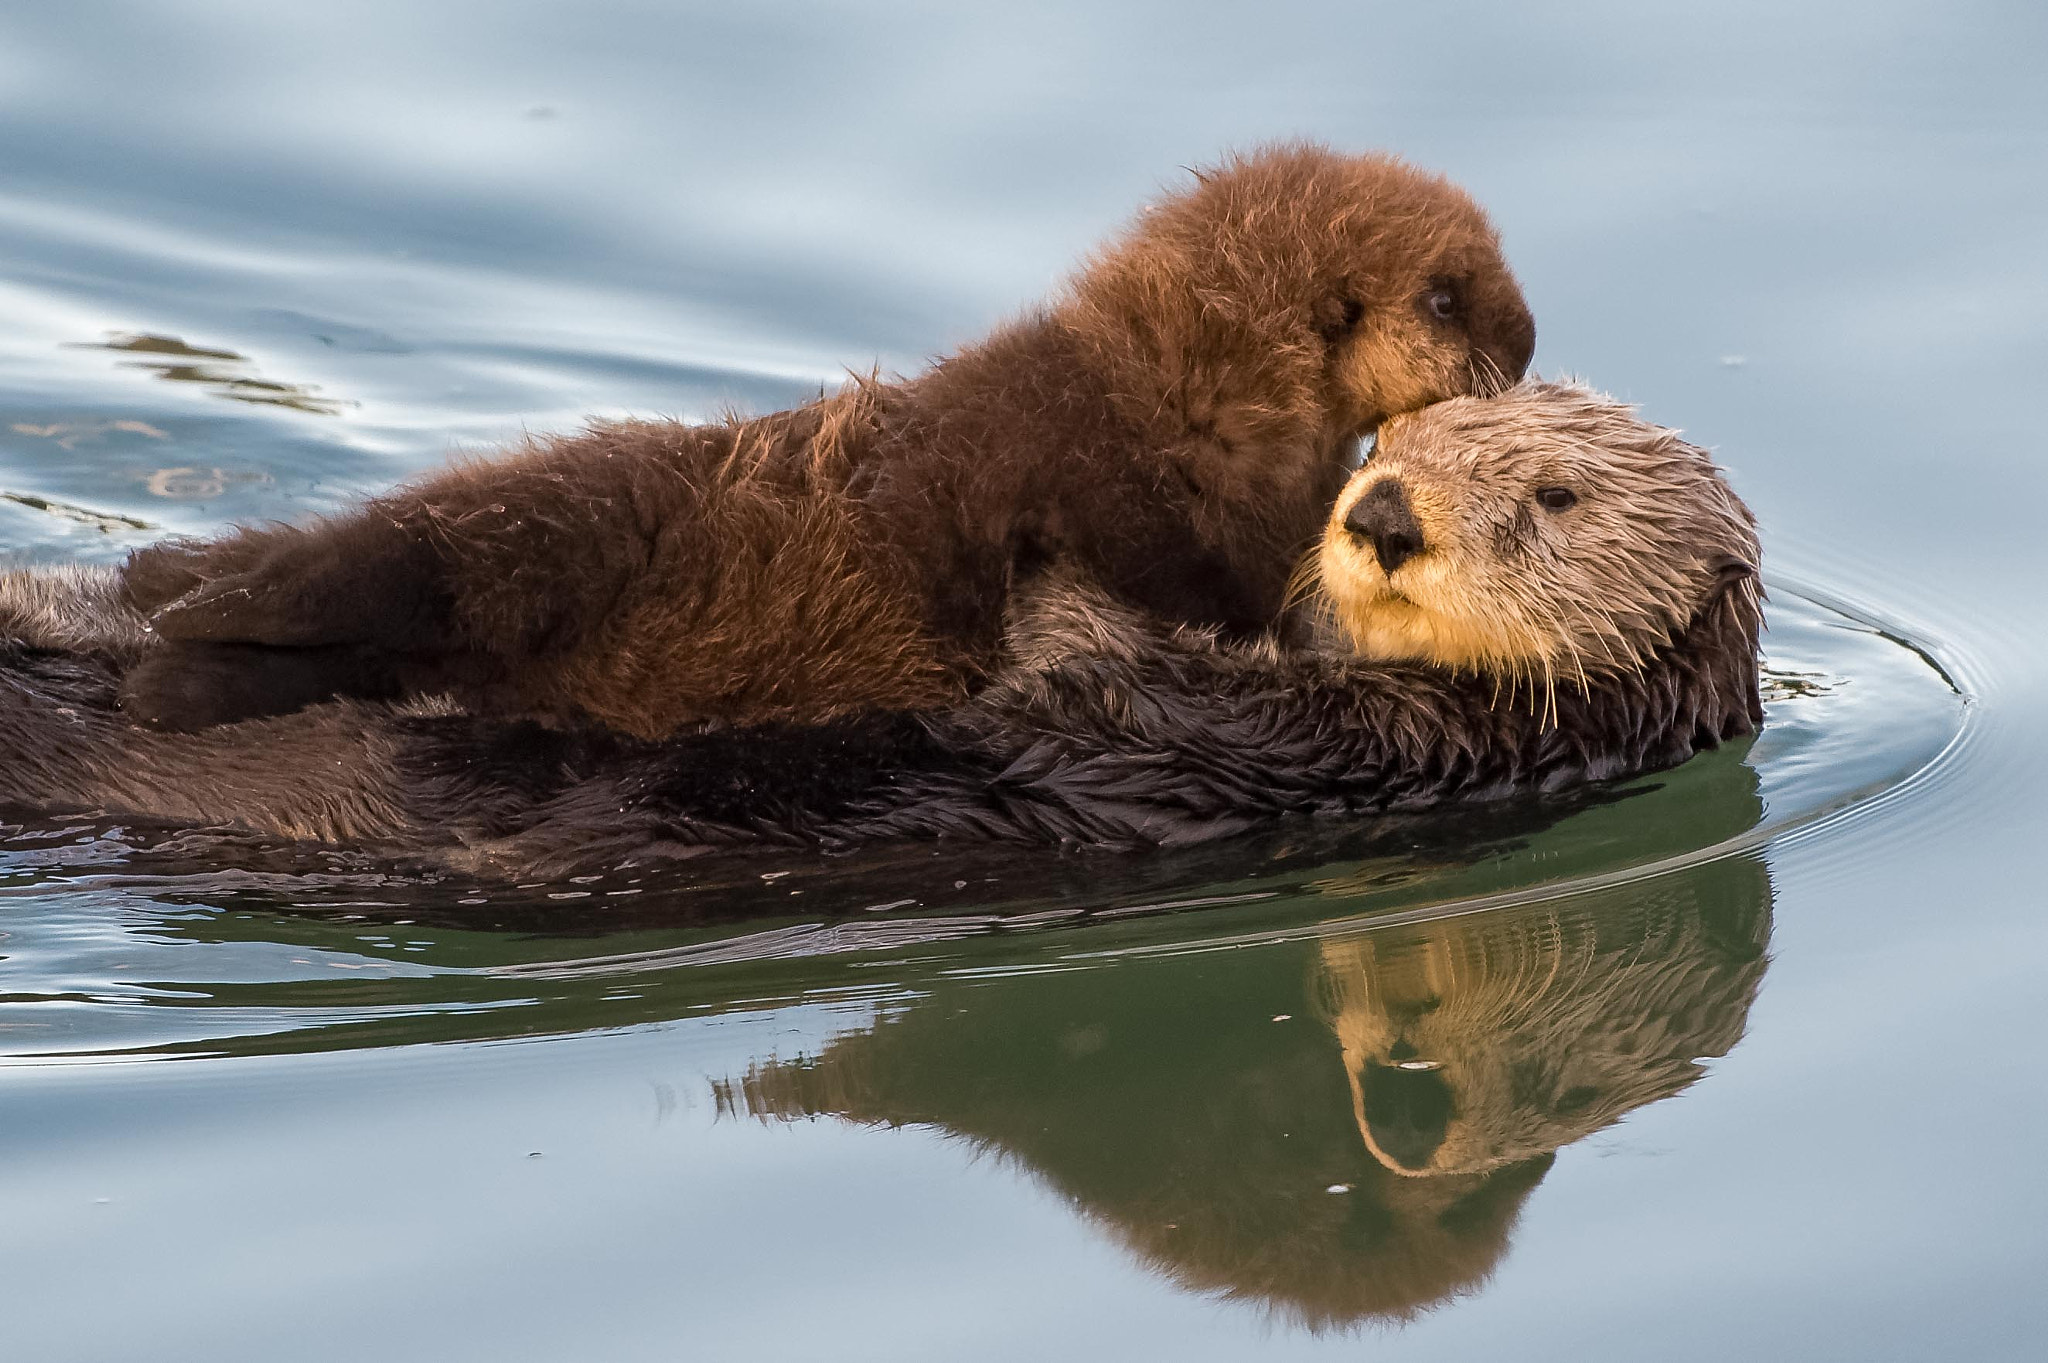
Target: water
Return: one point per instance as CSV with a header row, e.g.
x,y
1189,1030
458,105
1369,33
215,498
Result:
x,y
261,1101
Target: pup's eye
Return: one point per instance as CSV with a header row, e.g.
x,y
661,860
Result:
x,y
1442,304
1556,498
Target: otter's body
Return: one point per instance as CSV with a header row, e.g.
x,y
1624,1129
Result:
x,y
1168,744
1173,428
1635,611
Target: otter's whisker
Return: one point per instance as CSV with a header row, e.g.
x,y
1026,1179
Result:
x,y
1305,582
1578,661
1495,382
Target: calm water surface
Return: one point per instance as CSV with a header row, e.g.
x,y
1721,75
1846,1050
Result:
x,y
1737,1061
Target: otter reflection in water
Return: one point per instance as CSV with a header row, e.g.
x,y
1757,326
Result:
x,y
1340,1130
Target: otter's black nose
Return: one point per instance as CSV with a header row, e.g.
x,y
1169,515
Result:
x,y
1382,516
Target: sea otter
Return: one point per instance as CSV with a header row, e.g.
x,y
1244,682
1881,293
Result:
x,y
1173,426
1527,590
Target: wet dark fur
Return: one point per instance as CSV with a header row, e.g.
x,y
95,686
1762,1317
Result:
x,y
1168,743
1174,427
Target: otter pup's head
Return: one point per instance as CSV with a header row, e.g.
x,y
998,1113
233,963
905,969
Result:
x,y
1543,533
1294,297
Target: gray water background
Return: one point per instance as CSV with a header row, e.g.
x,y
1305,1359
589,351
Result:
x,y
1812,236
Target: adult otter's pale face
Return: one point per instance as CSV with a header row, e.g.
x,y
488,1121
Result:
x,y
1294,298
1541,533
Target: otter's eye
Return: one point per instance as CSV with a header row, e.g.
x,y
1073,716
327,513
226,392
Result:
x,y
1442,304
1556,498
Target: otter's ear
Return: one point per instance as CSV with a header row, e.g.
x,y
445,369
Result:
x,y
1737,588
1731,572
1336,315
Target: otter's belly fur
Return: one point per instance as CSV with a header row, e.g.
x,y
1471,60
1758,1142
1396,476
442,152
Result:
x,y
1154,739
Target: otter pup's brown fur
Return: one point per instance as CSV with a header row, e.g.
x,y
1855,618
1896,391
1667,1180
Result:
x,y
1173,427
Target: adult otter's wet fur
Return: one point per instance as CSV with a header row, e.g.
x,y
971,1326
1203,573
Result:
x,y
1173,426
1637,606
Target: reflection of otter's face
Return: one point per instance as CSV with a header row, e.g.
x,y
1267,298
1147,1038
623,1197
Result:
x,y
1295,285
1541,533
1436,1089
1469,1048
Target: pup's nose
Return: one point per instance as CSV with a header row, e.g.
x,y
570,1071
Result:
x,y
1382,515
1514,346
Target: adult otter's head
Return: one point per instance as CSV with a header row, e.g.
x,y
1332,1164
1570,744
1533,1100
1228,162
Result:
x,y
1546,532
1293,298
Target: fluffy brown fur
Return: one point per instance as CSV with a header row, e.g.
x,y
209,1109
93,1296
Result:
x,y
1173,426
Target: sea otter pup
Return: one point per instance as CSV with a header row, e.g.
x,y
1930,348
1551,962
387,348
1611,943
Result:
x,y
1173,426
1544,589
